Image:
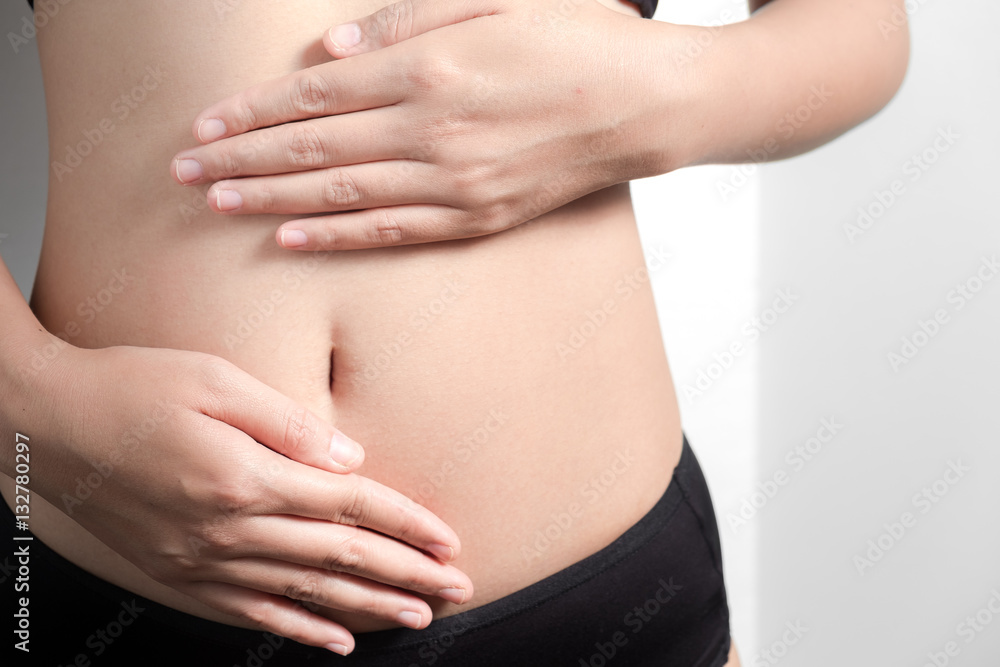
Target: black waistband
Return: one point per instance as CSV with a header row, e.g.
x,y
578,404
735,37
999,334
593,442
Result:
x,y
633,539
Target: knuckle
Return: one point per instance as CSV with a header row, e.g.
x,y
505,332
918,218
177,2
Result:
x,y
355,506
218,540
265,199
257,615
349,556
326,237
340,190
299,431
408,525
305,149
243,112
233,499
435,69
306,587
393,23
311,93
229,163
171,568
371,605
441,138
492,217
386,229
214,373
468,183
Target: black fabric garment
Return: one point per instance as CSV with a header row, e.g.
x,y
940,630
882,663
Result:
x,y
646,6
655,596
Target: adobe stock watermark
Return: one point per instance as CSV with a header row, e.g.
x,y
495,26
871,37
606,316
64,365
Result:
x,y
134,436
927,329
121,109
797,457
778,649
461,453
44,11
259,311
623,290
88,310
431,651
913,169
634,620
968,629
103,638
484,90
784,129
264,651
897,17
223,7
249,146
559,189
686,51
420,320
923,501
751,331
591,492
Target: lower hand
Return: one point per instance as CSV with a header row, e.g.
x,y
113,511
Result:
x,y
237,496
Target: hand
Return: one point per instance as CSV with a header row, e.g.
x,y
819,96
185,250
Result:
x,y
453,131
182,489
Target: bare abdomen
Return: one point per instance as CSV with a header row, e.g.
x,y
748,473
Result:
x,y
495,380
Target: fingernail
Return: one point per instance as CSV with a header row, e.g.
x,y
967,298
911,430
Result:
x,y
293,238
345,36
337,648
343,450
410,619
187,170
228,200
456,595
441,552
211,129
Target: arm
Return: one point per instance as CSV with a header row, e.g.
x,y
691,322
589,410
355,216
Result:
x,y
447,120
236,496
794,76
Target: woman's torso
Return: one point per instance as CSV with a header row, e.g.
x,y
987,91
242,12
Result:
x,y
498,381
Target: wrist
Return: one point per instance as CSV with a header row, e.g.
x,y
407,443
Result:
x,y
32,371
699,104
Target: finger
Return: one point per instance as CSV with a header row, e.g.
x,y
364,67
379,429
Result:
x,y
358,501
336,590
401,21
357,551
324,90
273,613
370,185
380,227
331,141
274,420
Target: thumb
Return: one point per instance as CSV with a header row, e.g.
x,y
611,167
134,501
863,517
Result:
x,y
284,426
401,21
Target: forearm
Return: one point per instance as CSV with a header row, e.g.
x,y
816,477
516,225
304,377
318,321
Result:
x,y
795,75
22,341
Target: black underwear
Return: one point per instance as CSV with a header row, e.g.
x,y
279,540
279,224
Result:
x,y
655,596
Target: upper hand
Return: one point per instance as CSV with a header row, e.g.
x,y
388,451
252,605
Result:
x,y
481,116
223,489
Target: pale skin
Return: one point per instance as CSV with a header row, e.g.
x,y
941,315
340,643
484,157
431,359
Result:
x,y
445,107
233,396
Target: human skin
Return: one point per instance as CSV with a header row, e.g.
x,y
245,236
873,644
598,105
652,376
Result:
x,y
429,130
437,392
